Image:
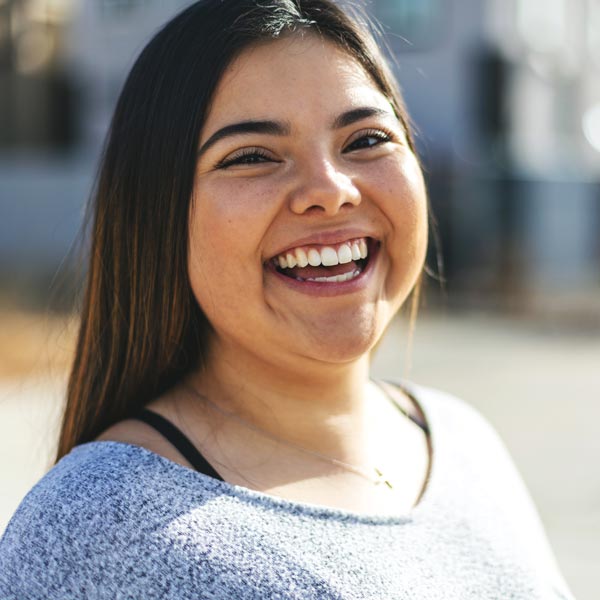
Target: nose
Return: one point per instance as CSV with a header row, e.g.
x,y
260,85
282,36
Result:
x,y
325,189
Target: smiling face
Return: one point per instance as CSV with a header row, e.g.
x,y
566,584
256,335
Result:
x,y
308,225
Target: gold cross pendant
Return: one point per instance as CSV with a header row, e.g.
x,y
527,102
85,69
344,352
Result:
x,y
382,479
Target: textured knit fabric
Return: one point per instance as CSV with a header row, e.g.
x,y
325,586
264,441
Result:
x,y
114,520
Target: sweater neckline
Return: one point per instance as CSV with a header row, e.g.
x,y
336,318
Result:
x,y
299,508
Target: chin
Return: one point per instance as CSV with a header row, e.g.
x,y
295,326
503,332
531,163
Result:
x,y
346,340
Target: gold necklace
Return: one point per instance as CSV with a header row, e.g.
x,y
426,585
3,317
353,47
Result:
x,y
372,474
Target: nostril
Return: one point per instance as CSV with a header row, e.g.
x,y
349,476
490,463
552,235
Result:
x,y
327,208
323,197
315,208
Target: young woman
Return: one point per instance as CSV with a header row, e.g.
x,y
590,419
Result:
x,y
260,217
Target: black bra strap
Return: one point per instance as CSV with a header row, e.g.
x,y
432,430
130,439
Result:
x,y
193,456
178,440
387,384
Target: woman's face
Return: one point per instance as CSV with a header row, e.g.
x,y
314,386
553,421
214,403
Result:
x,y
303,168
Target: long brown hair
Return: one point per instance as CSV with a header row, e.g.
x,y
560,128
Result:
x,y
141,329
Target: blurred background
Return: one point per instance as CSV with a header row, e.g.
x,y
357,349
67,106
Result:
x,y
505,96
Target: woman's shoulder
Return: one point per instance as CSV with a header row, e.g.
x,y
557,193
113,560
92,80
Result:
x,y
62,513
92,470
79,492
469,449
97,482
448,410
464,438
87,473
93,512
92,520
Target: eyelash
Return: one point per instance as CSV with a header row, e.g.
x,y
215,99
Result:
x,y
243,156
381,135
239,158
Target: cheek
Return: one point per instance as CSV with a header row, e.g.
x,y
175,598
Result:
x,y
414,206
236,198
402,197
403,203
233,213
213,273
215,217
227,223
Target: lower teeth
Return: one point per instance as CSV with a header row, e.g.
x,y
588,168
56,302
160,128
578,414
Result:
x,y
334,279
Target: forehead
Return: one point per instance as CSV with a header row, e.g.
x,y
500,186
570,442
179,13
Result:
x,y
289,79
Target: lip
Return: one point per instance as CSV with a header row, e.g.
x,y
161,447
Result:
x,y
317,288
327,238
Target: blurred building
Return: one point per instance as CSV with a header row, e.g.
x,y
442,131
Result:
x,y
505,95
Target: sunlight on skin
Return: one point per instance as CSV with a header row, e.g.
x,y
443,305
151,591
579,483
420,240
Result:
x,y
308,179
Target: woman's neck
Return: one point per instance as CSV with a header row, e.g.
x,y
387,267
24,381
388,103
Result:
x,y
321,407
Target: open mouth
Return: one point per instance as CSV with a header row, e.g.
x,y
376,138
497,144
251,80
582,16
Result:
x,y
327,264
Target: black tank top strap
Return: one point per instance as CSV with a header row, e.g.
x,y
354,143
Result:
x,y
178,440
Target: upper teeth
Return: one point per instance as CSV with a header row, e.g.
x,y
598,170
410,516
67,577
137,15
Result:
x,y
328,256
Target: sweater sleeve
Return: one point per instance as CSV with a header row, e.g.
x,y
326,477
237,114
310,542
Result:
x,y
528,521
100,524
36,549
77,534
52,547
515,507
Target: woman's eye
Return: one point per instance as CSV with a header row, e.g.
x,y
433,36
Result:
x,y
250,156
369,139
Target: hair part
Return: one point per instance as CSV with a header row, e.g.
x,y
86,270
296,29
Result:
x,y
141,328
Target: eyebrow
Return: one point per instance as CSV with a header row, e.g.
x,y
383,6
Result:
x,y
358,114
281,129
268,127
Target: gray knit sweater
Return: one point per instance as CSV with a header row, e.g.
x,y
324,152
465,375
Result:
x,y
114,520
